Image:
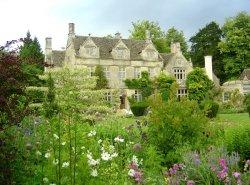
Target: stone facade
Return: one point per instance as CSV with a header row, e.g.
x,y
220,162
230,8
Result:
x,y
242,84
120,58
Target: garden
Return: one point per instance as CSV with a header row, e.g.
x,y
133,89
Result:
x,y
76,136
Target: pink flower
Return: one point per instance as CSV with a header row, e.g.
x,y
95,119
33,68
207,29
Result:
x,y
190,182
236,175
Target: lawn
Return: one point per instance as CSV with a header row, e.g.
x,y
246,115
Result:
x,y
234,118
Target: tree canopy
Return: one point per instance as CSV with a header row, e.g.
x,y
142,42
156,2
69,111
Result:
x,y
157,35
173,35
205,42
235,45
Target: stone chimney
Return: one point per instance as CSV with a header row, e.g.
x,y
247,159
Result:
x,y
209,67
148,37
71,29
118,35
48,49
175,47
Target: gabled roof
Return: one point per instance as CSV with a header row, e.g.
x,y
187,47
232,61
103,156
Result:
x,y
245,73
167,57
58,58
107,44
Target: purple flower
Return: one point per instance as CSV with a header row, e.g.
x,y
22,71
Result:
x,y
236,175
190,182
138,176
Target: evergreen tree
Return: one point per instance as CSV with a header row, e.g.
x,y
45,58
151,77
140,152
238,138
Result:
x,y
30,51
235,46
101,82
205,42
32,59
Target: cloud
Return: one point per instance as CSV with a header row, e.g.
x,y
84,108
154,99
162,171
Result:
x,y
51,17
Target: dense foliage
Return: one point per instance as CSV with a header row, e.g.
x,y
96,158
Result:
x,y
174,124
198,84
205,42
138,32
235,45
101,80
13,102
172,36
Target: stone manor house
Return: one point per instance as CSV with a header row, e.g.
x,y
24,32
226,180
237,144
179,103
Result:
x,y
123,59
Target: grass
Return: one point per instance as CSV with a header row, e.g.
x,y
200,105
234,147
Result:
x,y
239,118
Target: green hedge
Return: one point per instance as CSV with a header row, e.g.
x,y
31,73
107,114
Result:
x,y
139,108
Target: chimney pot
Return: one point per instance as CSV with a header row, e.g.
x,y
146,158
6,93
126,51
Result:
x,y
118,35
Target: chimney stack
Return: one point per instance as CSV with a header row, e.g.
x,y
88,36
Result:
x,y
148,37
209,67
71,29
48,43
48,50
175,47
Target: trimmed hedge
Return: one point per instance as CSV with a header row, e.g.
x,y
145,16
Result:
x,y
139,108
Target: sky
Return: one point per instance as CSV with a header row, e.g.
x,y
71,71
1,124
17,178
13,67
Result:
x,y
50,18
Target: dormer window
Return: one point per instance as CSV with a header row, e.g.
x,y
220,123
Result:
x,y
120,51
150,53
90,50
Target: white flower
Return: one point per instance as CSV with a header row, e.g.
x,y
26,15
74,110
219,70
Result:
x,y
93,162
119,139
45,179
56,136
55,161
114,155
131,172
52,184
94,173
47,155
99,141
38,153
63,143
83,147
105,156
92,133
65,164
135,160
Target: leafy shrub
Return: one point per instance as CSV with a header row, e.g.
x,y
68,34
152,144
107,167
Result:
x,y
210,107
174,124
237,138
139,108
36,95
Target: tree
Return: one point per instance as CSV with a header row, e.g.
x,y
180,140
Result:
x,y
198,84
205,42
235,45
174,35
32,59
157,35
30,51
101,81
13,104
